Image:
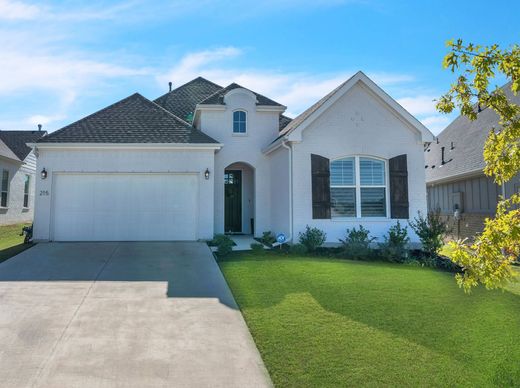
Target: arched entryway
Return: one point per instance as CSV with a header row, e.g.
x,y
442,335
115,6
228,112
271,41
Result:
x,y
239,198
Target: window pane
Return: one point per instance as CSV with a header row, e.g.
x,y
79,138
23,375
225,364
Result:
x,y
372,172
3,199
27,182
343,202
5,180
26,200
373,202
342,172
239,121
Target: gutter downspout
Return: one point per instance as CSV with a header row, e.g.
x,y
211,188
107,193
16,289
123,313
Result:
x,y
284,145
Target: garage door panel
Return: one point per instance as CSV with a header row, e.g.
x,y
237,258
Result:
x,y
125,207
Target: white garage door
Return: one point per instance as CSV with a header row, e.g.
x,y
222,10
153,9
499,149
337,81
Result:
x,y
125,207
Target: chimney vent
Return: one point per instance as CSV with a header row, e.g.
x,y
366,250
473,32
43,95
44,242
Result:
x,y
39,127
452,146
442,153
170,85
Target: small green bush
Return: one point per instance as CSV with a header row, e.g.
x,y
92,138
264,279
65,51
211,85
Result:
x,y
394,248
223,243
431,230
257,247
312,238
356,244
298,249
268,238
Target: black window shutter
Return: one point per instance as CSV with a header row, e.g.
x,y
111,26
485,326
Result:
x,y
320,187
399,207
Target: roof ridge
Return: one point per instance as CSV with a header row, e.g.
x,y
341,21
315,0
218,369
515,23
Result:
x,y
188,83
170,113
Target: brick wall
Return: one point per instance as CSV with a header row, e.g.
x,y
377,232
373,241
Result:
x,y
468,226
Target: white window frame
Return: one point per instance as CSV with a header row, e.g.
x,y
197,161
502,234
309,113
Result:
x,y
357,185
27,194
233,123
2,189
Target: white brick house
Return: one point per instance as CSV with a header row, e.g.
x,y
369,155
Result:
x,y
204,159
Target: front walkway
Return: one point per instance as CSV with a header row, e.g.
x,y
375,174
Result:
x,y
122,315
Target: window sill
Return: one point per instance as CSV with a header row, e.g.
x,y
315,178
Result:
x,y
4,207
361,219
239,134
24,209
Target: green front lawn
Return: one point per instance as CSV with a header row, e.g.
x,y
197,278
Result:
x,y
11,243
324,322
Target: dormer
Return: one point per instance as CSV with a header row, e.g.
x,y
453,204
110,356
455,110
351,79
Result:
x,y
239,112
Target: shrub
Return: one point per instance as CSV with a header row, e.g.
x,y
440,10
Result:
x,y
356,244
257,247
431,230
394,248
223,243
268,238
312,238
298,249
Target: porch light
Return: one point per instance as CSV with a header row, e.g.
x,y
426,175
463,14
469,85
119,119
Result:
x,y
44,173
206,174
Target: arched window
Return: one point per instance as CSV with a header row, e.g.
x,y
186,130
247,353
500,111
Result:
x,y
239,121
358,187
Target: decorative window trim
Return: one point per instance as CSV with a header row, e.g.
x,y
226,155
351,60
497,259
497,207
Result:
x,y
358,186
245,122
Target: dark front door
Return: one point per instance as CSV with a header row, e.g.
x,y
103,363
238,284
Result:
x,y
233,201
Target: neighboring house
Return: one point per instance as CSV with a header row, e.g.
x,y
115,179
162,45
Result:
x,y
17,176
454,173
206,159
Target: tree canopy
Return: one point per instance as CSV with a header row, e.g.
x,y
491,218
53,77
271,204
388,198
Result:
x,y
488,259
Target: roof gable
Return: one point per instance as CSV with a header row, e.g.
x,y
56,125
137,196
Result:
x,y
134,119
217,98
17,141
463,141
299,123
183,100
6,152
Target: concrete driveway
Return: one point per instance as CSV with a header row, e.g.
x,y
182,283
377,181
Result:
x,y
122,315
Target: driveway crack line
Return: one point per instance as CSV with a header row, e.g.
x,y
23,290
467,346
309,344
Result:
x,y
51,354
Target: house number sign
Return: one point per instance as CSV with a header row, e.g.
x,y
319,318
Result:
x,y
44,193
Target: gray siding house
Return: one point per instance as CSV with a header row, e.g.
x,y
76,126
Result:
x,y
454,173
17,176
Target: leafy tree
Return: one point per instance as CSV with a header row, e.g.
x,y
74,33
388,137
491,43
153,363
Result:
x,y
488,260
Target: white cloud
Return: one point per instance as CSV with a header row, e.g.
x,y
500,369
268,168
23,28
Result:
x,y
419,105
436,123
296,90
17,10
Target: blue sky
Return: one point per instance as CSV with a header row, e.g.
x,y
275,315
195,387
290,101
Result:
x,y
62,60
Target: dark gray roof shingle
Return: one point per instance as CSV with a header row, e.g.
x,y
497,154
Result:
x,y
217,98
283,121
182,100
134,119
468,138
17,141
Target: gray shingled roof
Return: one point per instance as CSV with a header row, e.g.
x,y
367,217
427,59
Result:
x,y
468,139
17,141
218,97
182,100
6,152
283,121
134,119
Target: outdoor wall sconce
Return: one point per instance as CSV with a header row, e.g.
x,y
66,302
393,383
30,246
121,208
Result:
x,y
206,174
44,173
